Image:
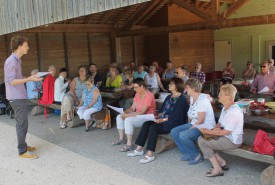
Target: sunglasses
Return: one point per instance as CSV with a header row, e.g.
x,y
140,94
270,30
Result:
x,y
176,73
263,66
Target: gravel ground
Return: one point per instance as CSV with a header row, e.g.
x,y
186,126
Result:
x,y
72,156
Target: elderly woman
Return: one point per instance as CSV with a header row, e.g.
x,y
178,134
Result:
x,y
229,128
228,71
152,80
34,89
144,103
172,114
114,80
250,72
90,103
73,97
201,115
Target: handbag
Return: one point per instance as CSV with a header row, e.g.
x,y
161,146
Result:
x,y
210,136
262,143
103,119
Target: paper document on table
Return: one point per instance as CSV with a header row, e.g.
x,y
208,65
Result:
x,y
40,74
119,110
264,90
149,117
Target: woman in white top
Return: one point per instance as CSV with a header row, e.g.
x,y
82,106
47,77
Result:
x,y
200,115
229,127
60,85
152,81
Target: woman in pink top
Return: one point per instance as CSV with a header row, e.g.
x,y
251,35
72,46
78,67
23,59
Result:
x,y
144,103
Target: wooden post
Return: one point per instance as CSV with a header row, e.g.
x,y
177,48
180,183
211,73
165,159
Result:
x,y
115,48
7,45
89,36
134,49
39,52
65,42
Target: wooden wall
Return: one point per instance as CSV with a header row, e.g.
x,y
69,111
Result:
x,y
190,47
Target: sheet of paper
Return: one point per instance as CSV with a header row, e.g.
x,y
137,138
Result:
x,y
119,110
149,117
40,74
80,108
264,90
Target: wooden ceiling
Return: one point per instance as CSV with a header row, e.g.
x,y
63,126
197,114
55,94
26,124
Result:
x,y
127,17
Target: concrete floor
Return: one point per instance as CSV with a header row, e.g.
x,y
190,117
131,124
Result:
x,y
72,156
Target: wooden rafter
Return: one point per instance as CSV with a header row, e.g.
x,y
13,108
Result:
x,y
215,9
106,16
211,25
152,12
142,11
233,8
192,9
124,12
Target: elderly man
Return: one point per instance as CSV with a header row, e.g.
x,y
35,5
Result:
x,y
181,73
271,65
140,73
198,73
159,70
169,71
264,82
34,89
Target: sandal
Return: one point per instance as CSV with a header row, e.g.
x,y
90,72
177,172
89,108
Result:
x,y
127,148
147,159
211,174
119,142
224,167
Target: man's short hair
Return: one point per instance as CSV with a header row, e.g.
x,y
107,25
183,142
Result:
x,y
63,69
17,41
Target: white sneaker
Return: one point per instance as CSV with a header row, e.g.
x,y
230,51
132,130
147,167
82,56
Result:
x,y
60,123
64,125
147,160
135,153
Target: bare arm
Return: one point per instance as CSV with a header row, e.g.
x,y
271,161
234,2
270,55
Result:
x,y
95,96
72,90
159,83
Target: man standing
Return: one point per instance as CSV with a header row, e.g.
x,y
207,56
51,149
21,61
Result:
x,y
198,73
271,65
264,82
16,92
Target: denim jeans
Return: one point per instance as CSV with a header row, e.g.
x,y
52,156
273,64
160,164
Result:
x,y
185,138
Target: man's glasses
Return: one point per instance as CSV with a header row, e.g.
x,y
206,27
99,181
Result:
x,y
263,66
176,73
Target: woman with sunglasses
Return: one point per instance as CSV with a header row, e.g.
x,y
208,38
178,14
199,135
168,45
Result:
x,y
172,114
90,103
250,72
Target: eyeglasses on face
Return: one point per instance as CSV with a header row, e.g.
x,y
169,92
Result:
x,y
88,84
263,66
135,87
171,84
176,72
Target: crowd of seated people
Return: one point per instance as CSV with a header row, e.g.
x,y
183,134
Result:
x,y
187,117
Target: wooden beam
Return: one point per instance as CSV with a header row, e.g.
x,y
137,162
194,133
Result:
x,y
124,12
136,15
92,28
233,8
134,48
106,16
211,25
66,52
192,9
39,52
215,9
152,12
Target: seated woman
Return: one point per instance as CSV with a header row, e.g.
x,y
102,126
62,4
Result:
x,y
172,114
128,90
144,103
229,128
201,115
250,72
228,71
34,89
73,97
152,80
60,85
90,103
114,80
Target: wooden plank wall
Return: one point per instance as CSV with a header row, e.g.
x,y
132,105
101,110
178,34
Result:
x,y
190,47
20,15
57,48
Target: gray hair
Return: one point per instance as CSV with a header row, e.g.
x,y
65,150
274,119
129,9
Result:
x,y
194,84
51,67
34,71
152,68
229,90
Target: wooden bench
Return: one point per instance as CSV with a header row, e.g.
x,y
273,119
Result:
x,y
166,142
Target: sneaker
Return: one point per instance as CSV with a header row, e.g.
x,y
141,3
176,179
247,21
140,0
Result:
x,y
185,157
147,160
135,153
26,155
31,149
64,125
197,160
60,123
